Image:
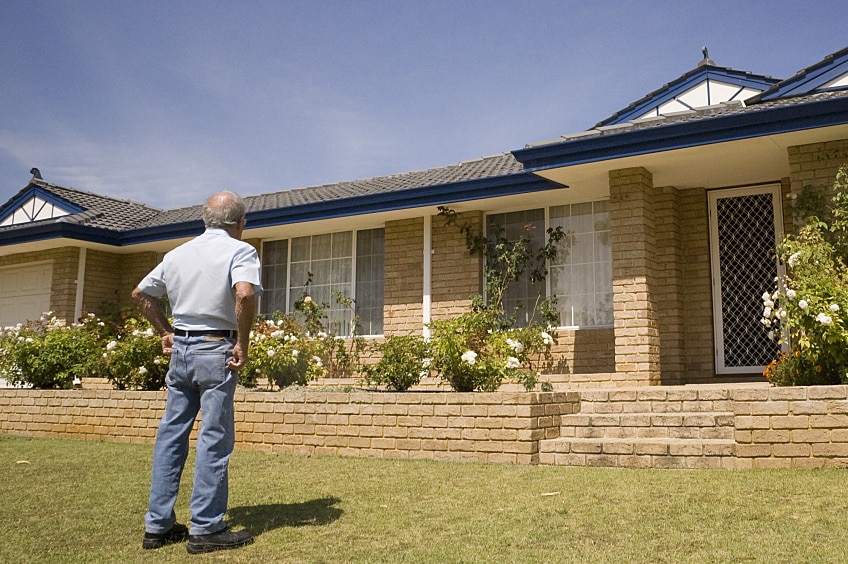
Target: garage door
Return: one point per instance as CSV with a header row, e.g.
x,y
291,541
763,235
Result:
x,y
24,292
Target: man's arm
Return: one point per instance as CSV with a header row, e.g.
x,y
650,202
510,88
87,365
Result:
x,y
151,309
245,314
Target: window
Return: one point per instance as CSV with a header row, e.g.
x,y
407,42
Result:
x,y
581,275
520,298
349,263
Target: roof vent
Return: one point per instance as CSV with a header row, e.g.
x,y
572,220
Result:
x,y
706,60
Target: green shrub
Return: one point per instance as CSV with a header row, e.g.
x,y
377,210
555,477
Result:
x,y
471,353
482,348
403,362
282,352
134,359
49,353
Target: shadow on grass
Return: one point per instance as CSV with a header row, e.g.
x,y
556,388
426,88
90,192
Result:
x,y
262,518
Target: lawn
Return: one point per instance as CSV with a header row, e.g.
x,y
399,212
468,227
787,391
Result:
x,y
77,501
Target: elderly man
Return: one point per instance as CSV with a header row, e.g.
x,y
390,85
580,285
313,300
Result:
x,y
212,283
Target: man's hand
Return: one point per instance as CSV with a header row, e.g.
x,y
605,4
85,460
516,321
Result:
x,y
239,358
167,343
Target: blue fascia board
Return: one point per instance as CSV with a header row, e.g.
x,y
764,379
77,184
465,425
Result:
x,y
811,82
162,232
440,194
42,231
35,190
662,138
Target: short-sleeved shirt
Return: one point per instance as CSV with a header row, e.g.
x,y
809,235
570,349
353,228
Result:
x,y
199,278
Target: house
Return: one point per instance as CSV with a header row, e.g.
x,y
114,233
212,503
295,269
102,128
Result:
x,y
673,208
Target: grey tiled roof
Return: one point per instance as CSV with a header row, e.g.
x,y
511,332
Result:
x,y
122,215
486,167
99,211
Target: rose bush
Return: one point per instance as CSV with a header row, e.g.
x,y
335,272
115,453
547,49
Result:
x,y
808,311
49,353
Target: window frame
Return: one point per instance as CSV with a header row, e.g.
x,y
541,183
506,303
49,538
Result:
x,y
548,283
352,283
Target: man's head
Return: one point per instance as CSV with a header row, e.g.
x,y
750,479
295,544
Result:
x,y
224,210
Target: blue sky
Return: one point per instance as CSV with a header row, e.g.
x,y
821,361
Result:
x,y
167,102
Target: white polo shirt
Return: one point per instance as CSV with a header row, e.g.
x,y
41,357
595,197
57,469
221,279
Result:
x,y
199,278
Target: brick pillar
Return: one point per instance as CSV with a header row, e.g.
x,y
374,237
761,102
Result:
x,y
634,268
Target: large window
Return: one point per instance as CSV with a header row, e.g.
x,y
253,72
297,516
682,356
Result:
x,y
347,263
520,297
581,275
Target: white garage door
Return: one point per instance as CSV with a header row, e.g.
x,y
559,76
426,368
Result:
x,y
24,292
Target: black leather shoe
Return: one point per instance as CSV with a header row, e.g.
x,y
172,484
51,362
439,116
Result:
x,y
177,533
222,540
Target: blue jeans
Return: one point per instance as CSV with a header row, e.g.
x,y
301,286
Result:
x,y
198,380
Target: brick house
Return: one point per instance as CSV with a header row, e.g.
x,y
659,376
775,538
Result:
x,y
673,206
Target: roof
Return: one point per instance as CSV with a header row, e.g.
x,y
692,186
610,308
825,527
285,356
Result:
x,y
706,71
90,217
811,79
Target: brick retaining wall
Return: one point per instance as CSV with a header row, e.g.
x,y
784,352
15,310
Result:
x,y
488,427
774,427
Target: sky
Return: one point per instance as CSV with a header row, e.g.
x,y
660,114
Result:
x,y
166,102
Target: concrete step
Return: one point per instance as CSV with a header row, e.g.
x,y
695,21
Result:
x,y
647,428
635,452
677,425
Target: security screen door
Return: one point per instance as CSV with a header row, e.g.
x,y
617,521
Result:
x,y
745,227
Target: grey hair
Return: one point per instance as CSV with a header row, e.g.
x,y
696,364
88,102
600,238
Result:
x,y
223,210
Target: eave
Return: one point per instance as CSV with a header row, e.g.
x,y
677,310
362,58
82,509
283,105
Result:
x,y
734,127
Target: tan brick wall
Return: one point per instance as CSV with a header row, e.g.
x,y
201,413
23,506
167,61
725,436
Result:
x,y
456,274
816,164
494,427
584,358
803,427
404,277
634,251
669,283
102,280
699,355
134,268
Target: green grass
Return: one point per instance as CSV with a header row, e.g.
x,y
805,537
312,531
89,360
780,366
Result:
x,y
77,501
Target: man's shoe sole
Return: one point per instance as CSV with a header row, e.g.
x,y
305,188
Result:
x,y
202,548
178,533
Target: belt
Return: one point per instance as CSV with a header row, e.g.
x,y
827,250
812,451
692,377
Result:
x,y
206,333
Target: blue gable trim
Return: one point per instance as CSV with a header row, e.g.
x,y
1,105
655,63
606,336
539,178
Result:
x,y
686,134
42,231
810,79
34,190
684,83
478,189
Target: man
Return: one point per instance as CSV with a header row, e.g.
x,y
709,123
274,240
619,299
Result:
x,y
212,283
